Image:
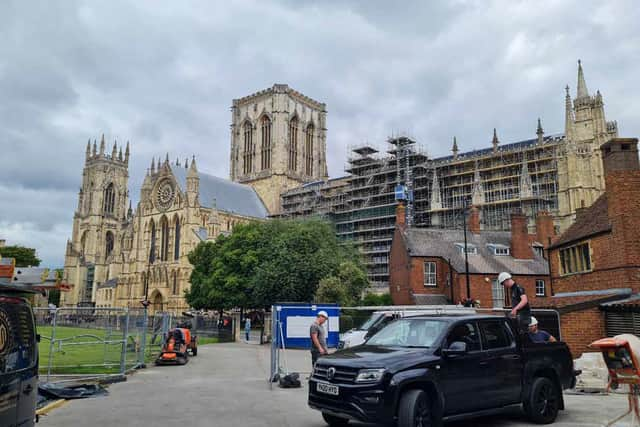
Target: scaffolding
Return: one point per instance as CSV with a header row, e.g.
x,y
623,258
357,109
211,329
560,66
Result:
x,y
362,205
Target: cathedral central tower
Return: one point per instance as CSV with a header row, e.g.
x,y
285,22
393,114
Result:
x,y
278,141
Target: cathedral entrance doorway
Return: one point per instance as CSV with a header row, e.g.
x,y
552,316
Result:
x,y
157,303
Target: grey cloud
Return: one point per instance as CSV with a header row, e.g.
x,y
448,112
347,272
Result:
x,y
162,75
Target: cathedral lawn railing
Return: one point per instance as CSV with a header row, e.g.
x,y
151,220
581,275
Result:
x,y
91,342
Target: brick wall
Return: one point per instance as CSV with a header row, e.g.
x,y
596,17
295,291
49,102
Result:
x,y
399,263
581,328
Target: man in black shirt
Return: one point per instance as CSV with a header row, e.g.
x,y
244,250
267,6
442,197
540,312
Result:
x,y
519,302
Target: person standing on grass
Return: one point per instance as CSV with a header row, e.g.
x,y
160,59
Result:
x,y
318,338
247,327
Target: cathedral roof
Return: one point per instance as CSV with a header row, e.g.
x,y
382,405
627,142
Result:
x,y
229,196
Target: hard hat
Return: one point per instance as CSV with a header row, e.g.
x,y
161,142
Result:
x,y
534,321
323,314
503,276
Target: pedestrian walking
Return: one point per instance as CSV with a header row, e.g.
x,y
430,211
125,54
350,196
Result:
x,y
520,308
247,328
318,338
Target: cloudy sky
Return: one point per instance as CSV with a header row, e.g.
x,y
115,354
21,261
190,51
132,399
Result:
x,y
163,74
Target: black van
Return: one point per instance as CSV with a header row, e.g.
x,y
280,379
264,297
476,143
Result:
x,y
18,359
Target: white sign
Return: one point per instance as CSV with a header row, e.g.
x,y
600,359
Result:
x,y
298,326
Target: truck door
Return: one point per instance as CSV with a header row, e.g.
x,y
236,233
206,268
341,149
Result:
x,y
463,377
503,362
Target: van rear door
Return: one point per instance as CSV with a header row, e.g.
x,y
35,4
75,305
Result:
x,y
20,361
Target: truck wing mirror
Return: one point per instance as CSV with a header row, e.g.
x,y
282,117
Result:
x,y
456,348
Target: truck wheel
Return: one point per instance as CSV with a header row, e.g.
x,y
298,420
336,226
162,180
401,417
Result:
x,y
543,402
334,421
415,410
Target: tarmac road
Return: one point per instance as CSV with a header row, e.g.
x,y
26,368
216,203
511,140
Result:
x,y
225,385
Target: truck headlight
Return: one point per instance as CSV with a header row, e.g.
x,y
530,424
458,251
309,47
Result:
x,y
369,375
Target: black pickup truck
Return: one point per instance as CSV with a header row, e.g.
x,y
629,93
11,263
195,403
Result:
x,y
421,371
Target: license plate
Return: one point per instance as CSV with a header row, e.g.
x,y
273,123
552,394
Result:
x,y
327,389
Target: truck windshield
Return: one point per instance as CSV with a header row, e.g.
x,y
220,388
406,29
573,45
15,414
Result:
x,y
370,322
409,333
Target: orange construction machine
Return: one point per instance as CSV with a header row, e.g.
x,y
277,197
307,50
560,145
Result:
x,y
176,347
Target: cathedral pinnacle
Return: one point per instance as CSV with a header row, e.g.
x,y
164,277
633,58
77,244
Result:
x,y
166,160
114,152
582,85
495,140
88,153
126,154
94,148
153,165
102,145
120,154
454,149
540,131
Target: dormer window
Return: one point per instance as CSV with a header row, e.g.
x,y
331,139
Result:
x,y
471,248
498,249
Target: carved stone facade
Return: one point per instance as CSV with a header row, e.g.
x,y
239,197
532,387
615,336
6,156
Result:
x,y
580,174
116,257
278,142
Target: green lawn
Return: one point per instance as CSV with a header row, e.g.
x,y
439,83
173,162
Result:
x,y
84,351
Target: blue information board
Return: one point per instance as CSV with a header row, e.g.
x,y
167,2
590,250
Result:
x,y
295,319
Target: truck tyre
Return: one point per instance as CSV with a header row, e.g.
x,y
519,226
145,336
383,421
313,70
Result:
x,y
415,410
543,403
334,421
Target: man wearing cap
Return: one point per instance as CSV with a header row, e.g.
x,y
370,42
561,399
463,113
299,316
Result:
x,y
519,302
537,335
318,337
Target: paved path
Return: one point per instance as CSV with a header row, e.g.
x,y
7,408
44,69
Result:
x,y
226,386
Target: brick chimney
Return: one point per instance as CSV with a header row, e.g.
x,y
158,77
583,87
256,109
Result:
x,y
401,217
544,228
622,185
473,223
520,248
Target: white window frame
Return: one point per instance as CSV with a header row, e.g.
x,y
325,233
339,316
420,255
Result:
x,y
430,274
544,288
471,248
498,249
497,294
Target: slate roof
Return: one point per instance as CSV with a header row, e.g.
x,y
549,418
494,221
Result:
x,y
431,242
229,196
590,221
567,302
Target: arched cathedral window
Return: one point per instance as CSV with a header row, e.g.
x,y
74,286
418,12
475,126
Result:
x,y
249,150
164,240
174,285
109,200
152,243
266,143
309,150
109,244
176,249
293,144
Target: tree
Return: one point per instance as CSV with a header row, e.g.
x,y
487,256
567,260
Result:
x,y
24,257
262,263
374,299
333,290
345,288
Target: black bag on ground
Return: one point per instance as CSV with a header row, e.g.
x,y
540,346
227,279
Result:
x,y
291,380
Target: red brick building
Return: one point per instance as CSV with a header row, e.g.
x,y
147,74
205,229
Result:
x,y
427,265
595,264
